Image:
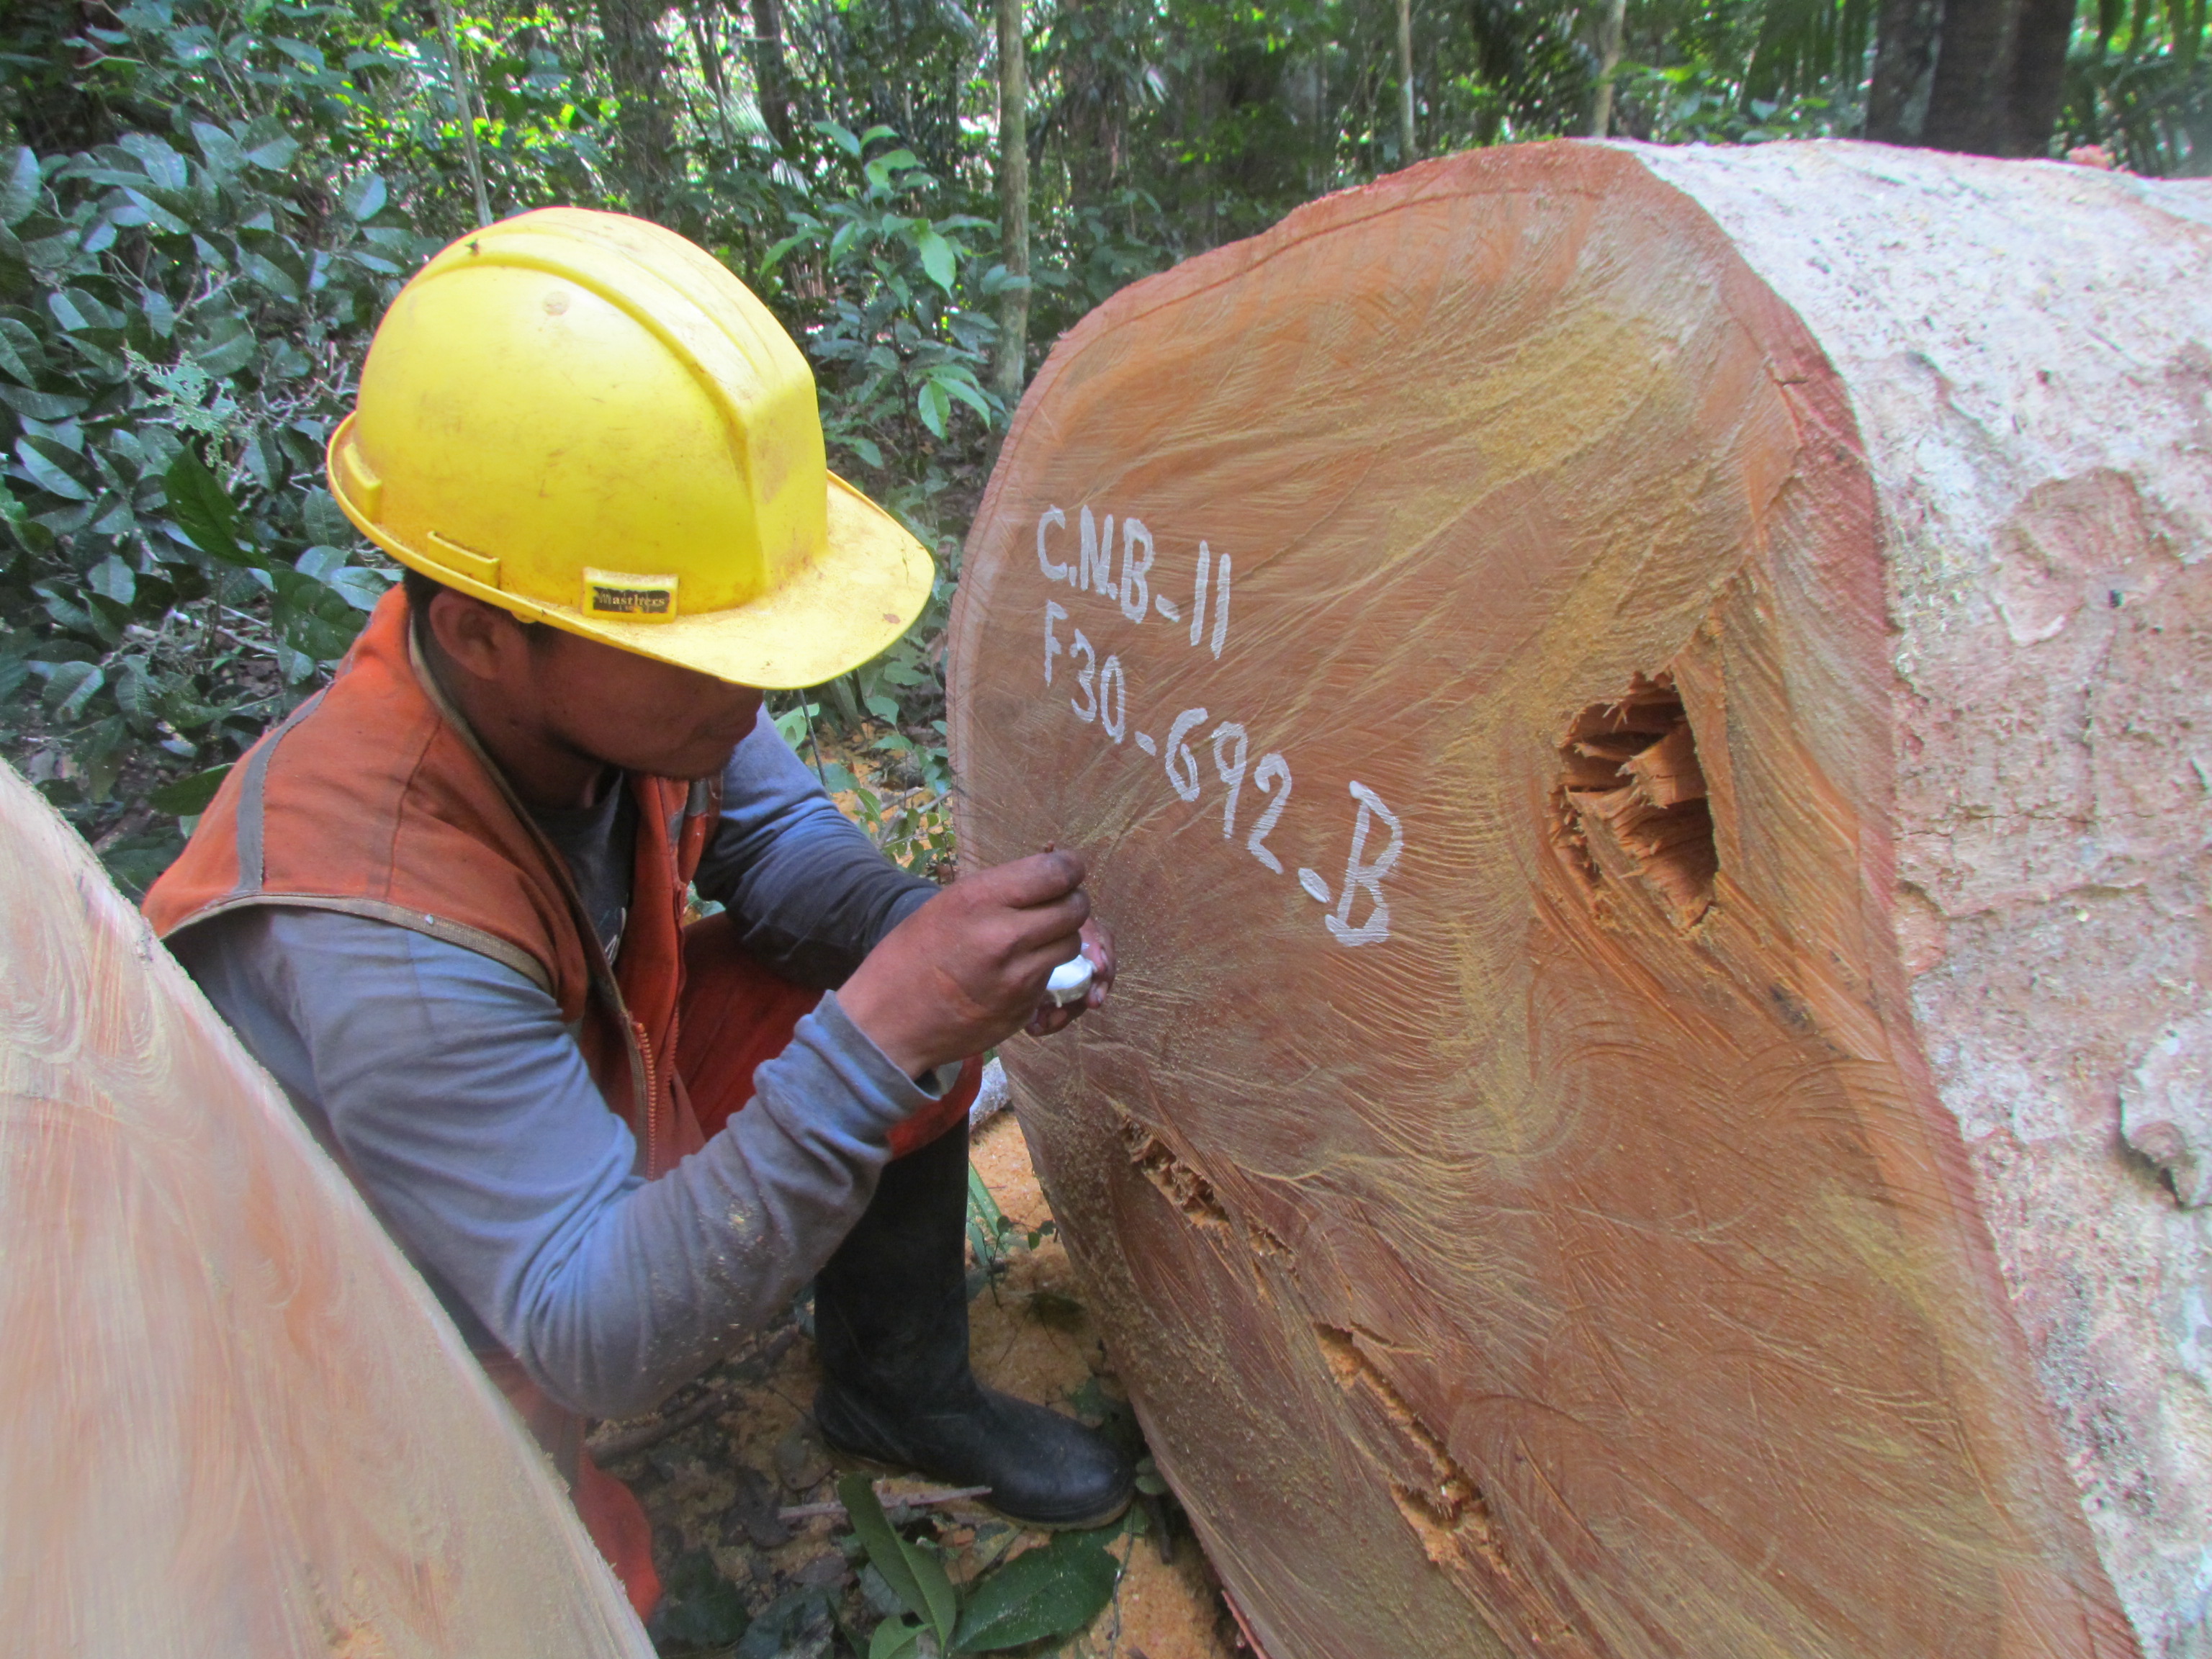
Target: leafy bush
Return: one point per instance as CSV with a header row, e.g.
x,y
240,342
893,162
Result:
x,y
178,326
183,305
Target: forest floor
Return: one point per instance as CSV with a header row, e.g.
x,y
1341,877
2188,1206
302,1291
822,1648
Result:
x,y
731,1451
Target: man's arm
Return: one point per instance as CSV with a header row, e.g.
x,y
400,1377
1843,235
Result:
x,y
811,894
463,1106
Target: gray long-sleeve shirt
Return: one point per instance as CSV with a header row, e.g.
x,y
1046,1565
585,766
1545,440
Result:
x,y
463,1105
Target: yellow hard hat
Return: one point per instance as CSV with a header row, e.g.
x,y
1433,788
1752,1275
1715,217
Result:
x,y
584,419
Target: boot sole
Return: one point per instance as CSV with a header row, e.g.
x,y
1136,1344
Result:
x,y
877,1466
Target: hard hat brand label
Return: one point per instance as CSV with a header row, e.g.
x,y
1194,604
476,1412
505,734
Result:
x,y
638,598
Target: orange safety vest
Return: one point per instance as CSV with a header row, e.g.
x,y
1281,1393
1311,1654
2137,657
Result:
x,y
375,799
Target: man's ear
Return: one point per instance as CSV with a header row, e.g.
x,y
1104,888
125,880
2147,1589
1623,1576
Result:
x,y
481,639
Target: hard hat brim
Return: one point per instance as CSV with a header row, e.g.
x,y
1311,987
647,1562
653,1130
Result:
x,y
847,604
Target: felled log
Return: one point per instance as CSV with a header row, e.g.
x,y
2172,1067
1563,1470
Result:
x,y
236,1424
1642,717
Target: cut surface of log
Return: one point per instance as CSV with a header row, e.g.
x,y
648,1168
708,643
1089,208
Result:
x,y
1533,650
238,1425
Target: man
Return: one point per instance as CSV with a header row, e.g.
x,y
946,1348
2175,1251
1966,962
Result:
x,y
445,902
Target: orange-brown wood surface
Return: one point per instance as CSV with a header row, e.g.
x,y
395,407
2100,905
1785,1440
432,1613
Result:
x,y
1508,1173
236,1424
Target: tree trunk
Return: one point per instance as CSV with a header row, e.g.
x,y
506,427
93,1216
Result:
x,y
1009,368
2000,69
1905,62
637,67
1608,64
699,17
771,74
1642,730
1408,152
464,113
237,1421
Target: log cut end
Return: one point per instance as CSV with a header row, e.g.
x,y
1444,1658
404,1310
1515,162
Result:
x,y
1472,629
237,1421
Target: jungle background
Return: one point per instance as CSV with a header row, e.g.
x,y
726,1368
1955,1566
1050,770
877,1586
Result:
x,y
205,204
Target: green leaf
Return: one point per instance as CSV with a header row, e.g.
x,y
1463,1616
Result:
x,y
203,507
364,197
18,188
226,345
915,1575
268,274
19,351
858,1494
1053,1591
937,1589
936,258
962,385
774,257
71,686
163,166
934,405
894,1636
220,148
40,458
41,405
189,797
274,154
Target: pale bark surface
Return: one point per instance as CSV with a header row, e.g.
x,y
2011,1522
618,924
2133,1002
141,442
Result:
x,y
237,1424
1606,971
2029,351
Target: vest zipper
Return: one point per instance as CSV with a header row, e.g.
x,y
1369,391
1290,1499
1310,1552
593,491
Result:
x,y
650,1101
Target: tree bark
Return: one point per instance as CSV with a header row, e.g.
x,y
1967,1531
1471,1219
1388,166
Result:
x,y
1010,367
771,75
2000,69
706,41
1905,62
233,1406
1408,151
637,67
1608,64
464,113
1641,731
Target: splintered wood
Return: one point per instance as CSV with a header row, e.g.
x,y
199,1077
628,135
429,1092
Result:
x,y
237,1425
1576,669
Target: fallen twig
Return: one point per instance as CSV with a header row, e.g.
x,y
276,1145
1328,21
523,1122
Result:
x,y
624,1442
746,1367
891,1500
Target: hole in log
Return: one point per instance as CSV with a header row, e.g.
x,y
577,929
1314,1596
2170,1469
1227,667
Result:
x,y
1185,1188
1631,798
1437,1498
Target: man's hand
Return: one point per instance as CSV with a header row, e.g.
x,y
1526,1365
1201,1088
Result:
x,y
1099,945
967,969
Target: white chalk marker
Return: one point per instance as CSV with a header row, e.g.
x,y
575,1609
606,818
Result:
x,y
1070,982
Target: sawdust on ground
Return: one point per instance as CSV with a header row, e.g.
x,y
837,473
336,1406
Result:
x,y
712,1485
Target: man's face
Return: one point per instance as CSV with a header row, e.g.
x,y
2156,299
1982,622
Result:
x,y
634,713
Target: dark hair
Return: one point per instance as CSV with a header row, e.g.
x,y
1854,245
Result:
x,y
422,589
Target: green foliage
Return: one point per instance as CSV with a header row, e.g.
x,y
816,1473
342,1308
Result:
x,y
179,323
1055,1590
701,1610
2139,82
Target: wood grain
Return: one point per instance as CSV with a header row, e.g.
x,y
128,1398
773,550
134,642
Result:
x,y
1553,1244
237,1424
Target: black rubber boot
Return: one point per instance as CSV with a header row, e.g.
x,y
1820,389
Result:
x,y
891,1319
